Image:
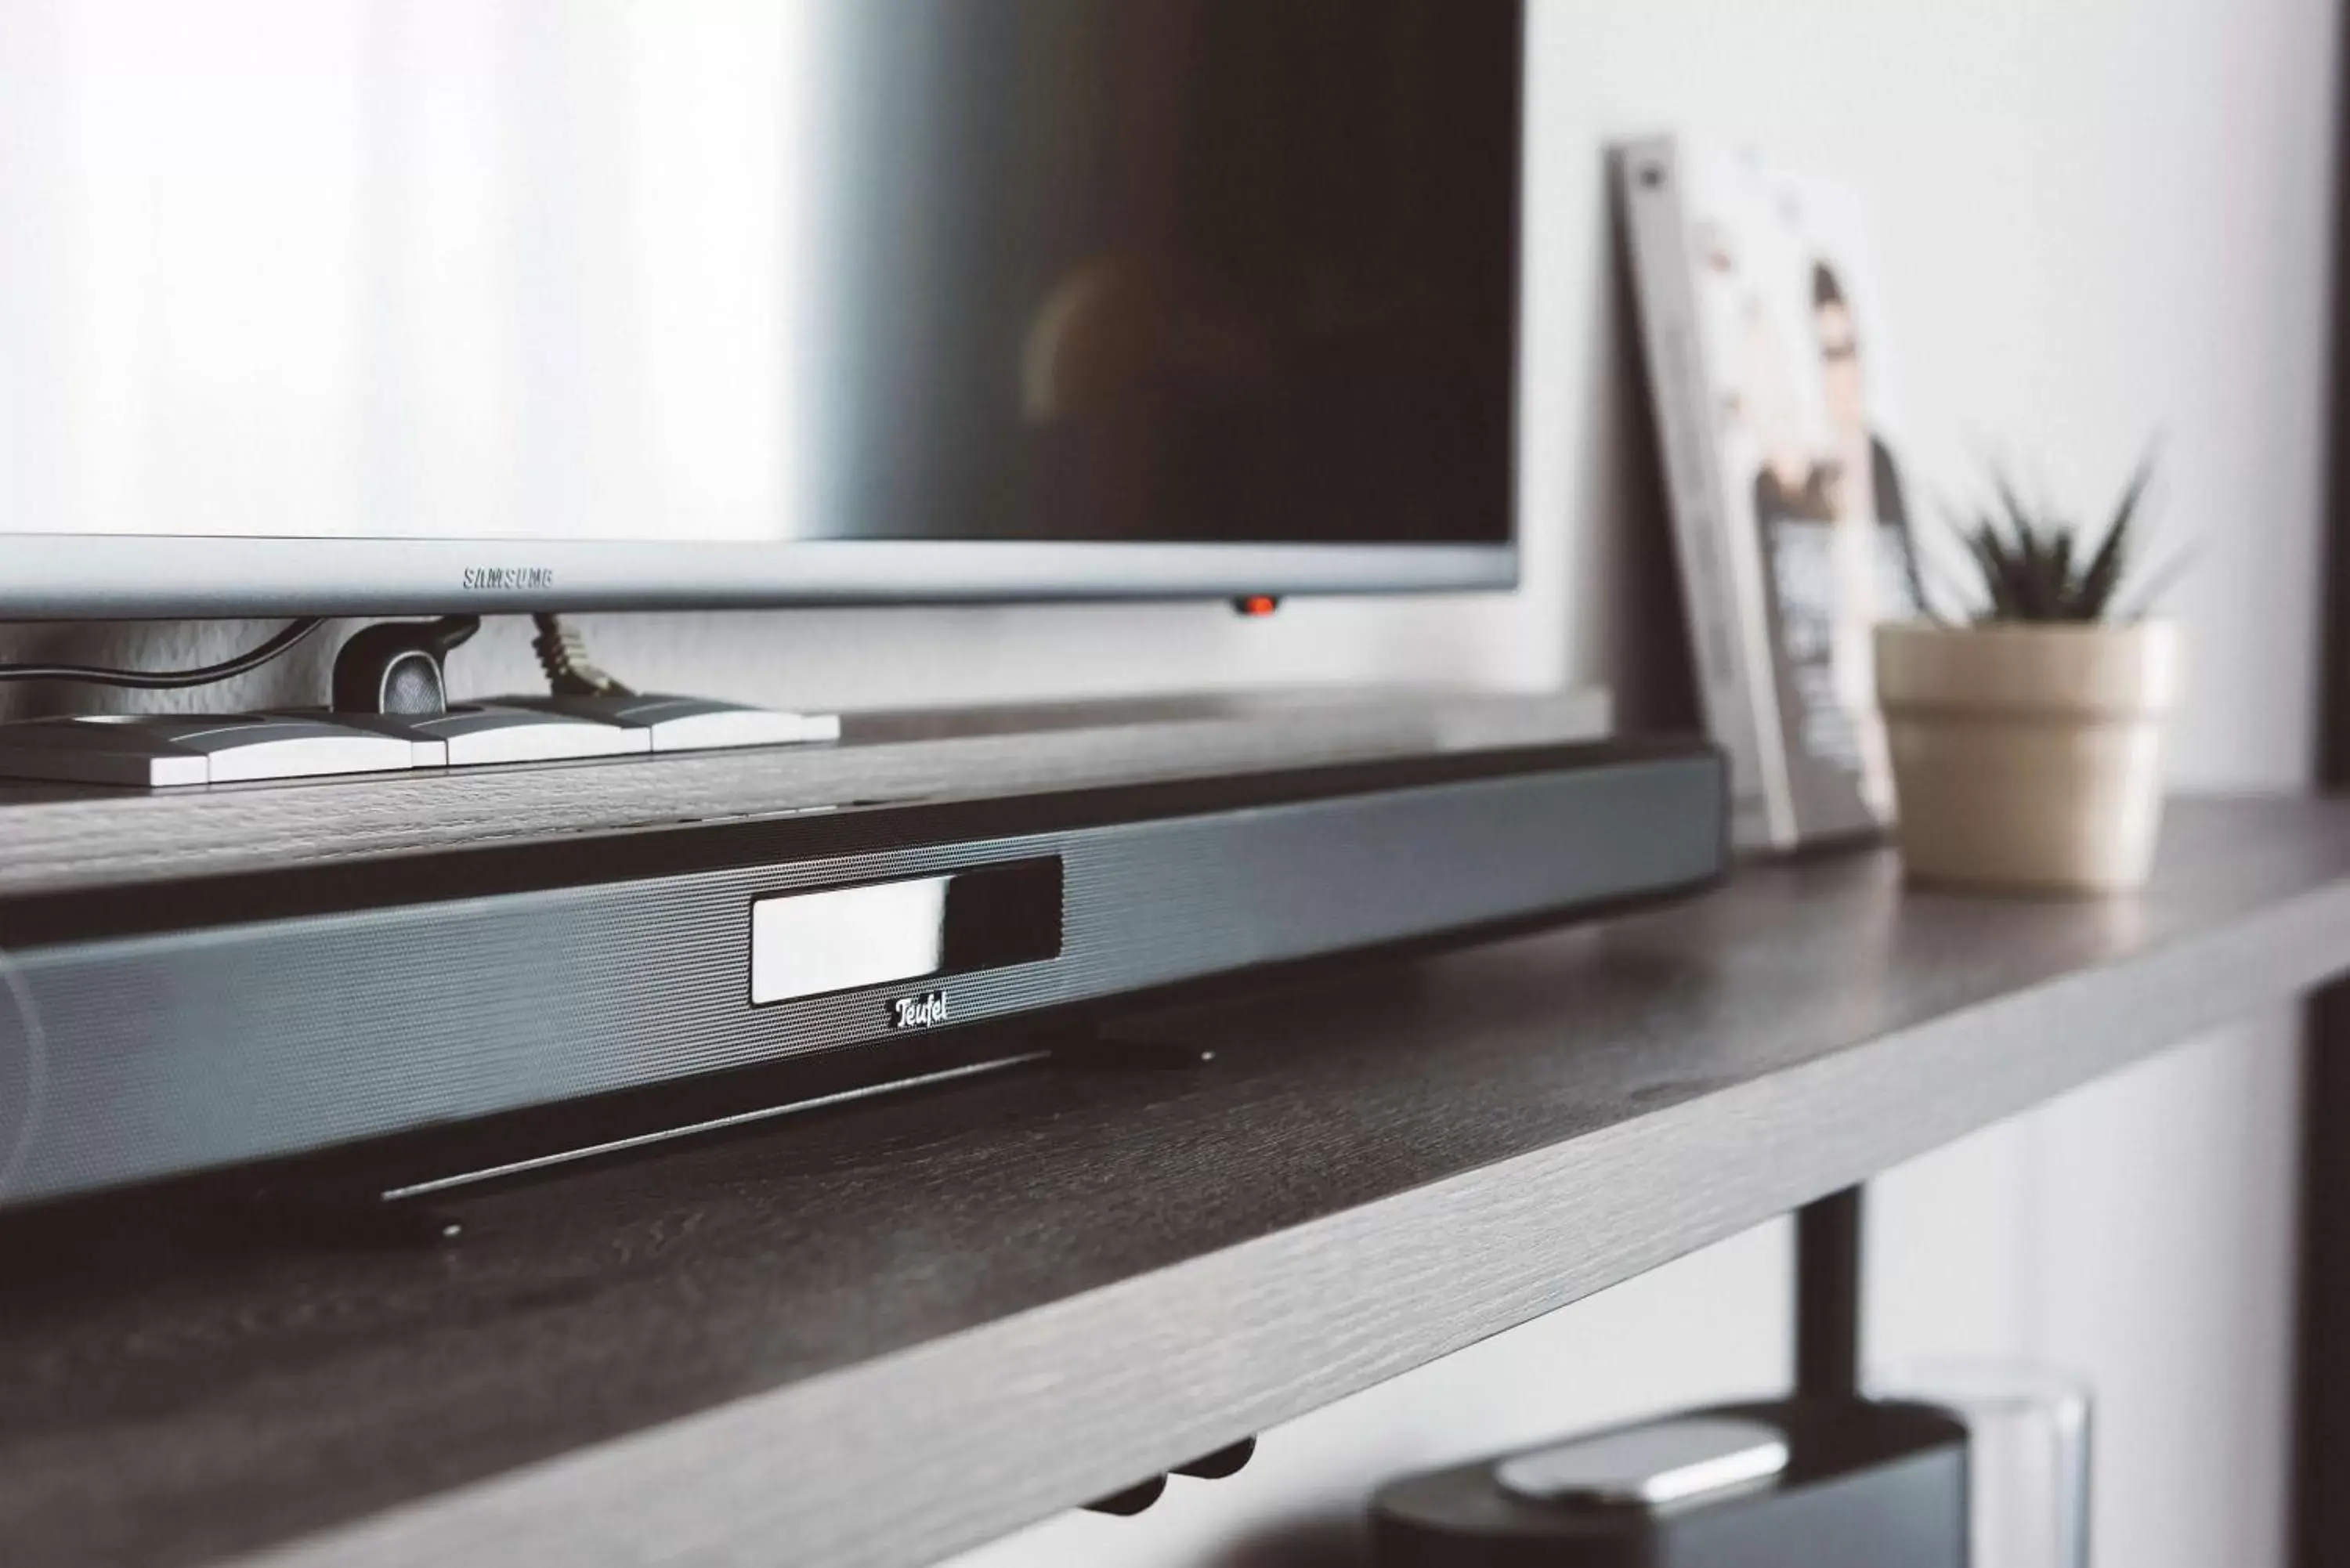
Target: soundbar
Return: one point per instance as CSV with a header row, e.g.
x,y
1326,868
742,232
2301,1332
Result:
x,y
165,1028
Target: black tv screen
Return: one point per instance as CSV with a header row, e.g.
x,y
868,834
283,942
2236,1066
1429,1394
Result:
x,y
368,306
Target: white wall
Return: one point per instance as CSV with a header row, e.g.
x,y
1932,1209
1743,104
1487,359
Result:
x,y
2096,219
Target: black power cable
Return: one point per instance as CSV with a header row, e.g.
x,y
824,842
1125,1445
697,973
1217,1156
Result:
x,y
167,679
563,654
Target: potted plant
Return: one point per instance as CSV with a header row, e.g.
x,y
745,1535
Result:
x,y
2026,740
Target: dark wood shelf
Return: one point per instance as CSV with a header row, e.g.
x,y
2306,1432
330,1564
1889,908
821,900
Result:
x,y
878,1335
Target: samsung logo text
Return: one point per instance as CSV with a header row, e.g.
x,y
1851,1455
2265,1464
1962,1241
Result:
x,y
508,579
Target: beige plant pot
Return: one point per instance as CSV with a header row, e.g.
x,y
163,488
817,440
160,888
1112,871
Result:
x,y
2028,756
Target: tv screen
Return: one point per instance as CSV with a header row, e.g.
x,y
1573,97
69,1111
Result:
x,y
360,305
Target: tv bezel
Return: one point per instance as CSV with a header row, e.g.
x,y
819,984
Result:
x,y
45,576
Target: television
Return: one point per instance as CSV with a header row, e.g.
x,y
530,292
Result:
x,y
360,307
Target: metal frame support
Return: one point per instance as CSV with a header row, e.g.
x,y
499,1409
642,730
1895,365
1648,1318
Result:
x,y
1827,1296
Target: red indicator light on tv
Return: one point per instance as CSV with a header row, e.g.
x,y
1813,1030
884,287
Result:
x,y
1256,604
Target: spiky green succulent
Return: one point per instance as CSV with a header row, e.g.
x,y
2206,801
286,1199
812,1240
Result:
x,y
2036,565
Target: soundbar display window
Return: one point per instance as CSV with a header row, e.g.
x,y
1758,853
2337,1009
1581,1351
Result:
x,y
882,933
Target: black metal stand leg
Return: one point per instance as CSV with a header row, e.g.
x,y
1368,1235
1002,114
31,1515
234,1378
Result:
x,y
1827,1296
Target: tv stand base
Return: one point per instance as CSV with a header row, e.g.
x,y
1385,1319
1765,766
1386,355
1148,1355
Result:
x,y
162,751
